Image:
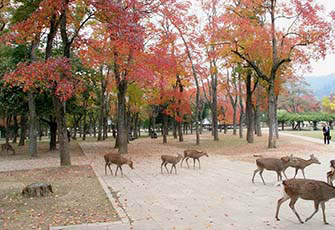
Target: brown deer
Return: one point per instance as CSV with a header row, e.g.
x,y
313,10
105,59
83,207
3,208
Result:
x,y
7,147
194,154
272,164
318,191
299,163
117,159
331,173
167,159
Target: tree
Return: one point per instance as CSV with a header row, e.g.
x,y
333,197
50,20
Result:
x,y
252,31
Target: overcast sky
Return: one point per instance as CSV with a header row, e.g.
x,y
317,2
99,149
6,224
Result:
x,y
326,66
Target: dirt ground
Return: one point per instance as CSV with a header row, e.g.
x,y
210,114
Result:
x,y
77,198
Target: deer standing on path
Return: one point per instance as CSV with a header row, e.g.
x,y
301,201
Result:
x,y
318,191
194,154
299,163
167,159
331,173
272,164
116,158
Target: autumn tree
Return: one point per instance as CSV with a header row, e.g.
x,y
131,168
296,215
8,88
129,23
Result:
x,y
268,34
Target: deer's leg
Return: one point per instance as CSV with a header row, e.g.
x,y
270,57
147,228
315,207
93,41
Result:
x,y
285,174
106,168
279,177
117,168
181,163
187,162
162,166
279,203
198,162
171,168
292,202
303,173
323,207
253,176
260,173
296,172
316,206
166,167
121,170
175,169
193,162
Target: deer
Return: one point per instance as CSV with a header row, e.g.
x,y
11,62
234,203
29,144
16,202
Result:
x,y
167,159
299,163
194,154
318,191
7,147
331,173
272,164
117,159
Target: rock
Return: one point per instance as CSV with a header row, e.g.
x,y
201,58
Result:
x,y
37,189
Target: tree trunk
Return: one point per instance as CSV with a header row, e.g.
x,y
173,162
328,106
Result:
x,y
65,158
180,132
214,107
249,111
165,128
23,125
241,106
234,120
258,115
122,128
102,106
174,129
276,118
32,126
84,125
272,117
53,134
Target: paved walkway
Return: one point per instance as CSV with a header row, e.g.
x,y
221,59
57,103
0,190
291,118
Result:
x,y
219,196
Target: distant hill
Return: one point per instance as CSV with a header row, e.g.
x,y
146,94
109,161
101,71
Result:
x,y
322,85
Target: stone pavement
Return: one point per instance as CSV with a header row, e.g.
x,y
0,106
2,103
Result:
x,y
218,196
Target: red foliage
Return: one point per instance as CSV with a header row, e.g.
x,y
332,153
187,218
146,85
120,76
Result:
x,y
54,74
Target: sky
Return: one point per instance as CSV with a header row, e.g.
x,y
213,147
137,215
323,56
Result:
x,y
326,66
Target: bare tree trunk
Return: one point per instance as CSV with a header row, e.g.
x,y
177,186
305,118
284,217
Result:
x,y
122,129
16,130
165,128
174,129
241,106
32,126
249,111
59,106
102,107
23,133
272,118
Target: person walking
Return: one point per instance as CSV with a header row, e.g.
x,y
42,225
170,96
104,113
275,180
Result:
x,y
326,134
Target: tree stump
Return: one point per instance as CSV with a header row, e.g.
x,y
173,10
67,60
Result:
x,y
37,189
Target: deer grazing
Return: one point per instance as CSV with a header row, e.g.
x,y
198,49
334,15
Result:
x,y
331,173
194,154
318,191
167,159
299,163
272,164
7,147
117,159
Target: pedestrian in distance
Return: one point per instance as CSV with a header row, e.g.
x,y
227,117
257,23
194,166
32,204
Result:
x,y
326,134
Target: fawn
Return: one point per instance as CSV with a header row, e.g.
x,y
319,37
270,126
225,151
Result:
x,y
167,159
194,154
115,158
299,163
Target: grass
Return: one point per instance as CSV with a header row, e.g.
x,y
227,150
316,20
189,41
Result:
x,y
315,134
